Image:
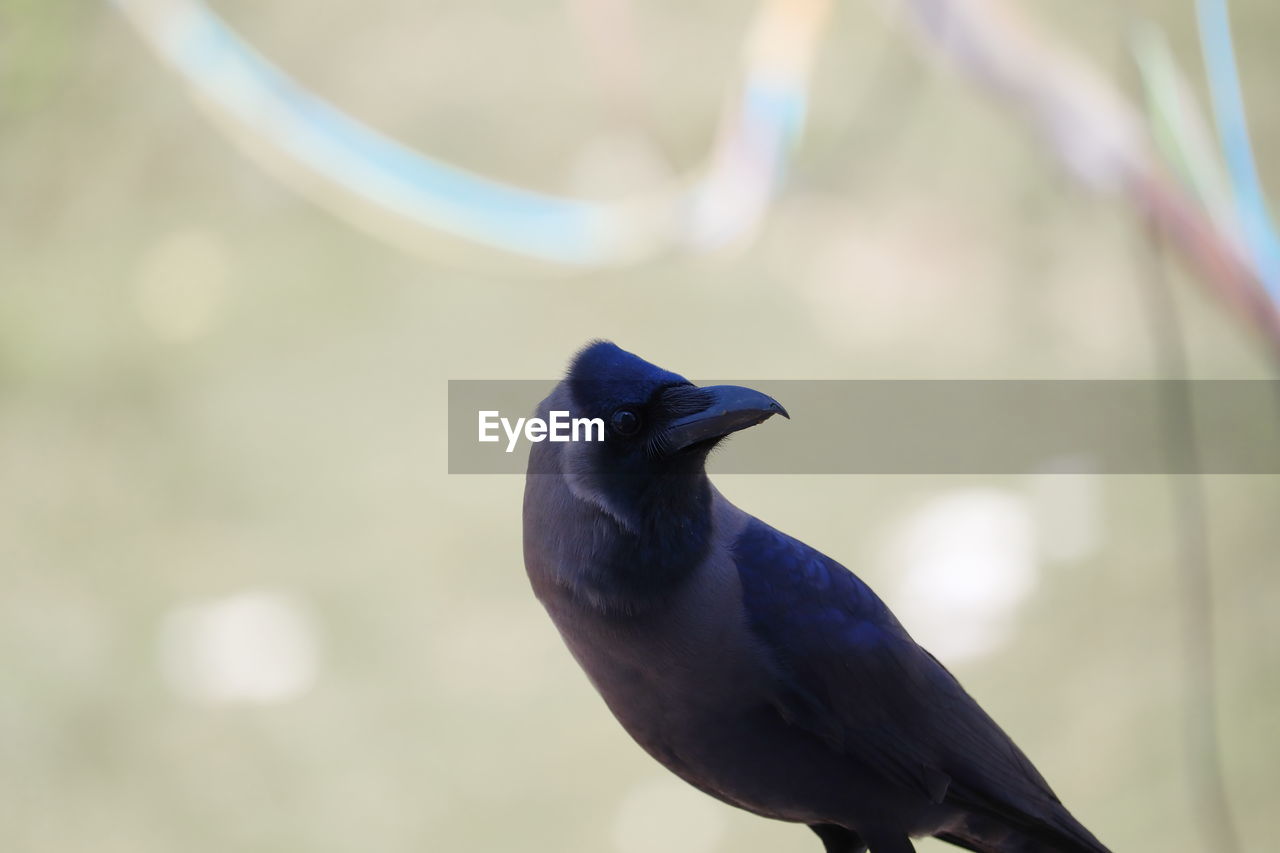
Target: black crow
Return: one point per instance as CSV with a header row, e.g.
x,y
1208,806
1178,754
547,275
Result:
x,y
751,665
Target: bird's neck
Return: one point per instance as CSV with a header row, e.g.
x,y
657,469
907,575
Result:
x,y
659,536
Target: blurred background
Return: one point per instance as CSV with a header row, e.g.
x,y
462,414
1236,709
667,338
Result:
x,y
244,608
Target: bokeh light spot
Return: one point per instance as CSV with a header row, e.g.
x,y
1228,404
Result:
x,y
251,648
964,562
182,284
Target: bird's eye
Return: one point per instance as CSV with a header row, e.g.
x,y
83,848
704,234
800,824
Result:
x,y
626,422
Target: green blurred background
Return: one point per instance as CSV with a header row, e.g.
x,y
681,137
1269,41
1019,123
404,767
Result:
x,y
244,608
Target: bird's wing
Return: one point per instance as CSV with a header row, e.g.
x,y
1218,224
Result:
x,y
850,673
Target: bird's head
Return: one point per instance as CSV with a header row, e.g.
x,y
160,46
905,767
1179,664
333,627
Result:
x,y
658,426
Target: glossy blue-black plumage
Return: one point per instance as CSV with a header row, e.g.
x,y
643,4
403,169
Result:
x,y
635,562
604,377
856,678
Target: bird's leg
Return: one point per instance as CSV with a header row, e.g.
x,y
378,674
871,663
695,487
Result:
x,y
837,839
892,844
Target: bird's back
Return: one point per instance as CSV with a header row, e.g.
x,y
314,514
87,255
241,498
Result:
x,y
855,677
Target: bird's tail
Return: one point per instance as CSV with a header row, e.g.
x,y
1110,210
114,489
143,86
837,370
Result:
x,y
1062,833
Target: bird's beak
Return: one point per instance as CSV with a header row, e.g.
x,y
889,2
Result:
x,y
730,408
